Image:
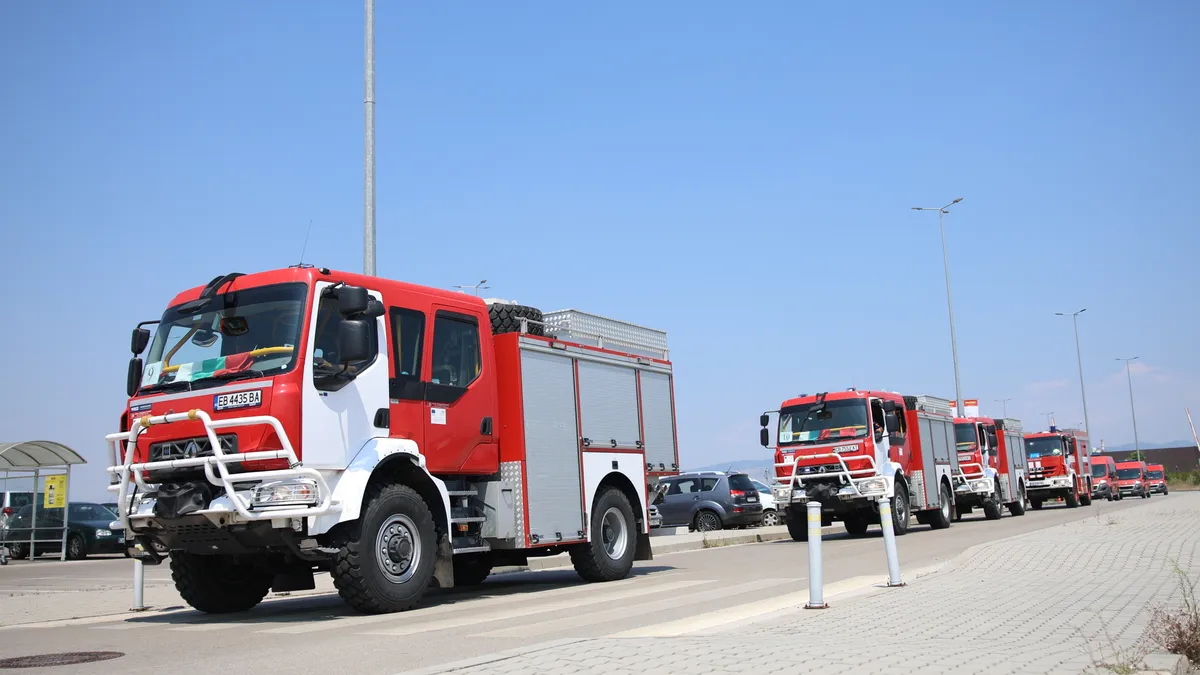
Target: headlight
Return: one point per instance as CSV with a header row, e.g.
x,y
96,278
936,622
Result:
x,y
103,533
981,486
873,487
295,492
1101,482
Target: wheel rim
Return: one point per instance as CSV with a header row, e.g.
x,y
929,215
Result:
x,y
770,519
74,547
614,533
398,549
945,504
708,522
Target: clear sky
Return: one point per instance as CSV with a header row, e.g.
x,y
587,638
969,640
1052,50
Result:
x,y
738,175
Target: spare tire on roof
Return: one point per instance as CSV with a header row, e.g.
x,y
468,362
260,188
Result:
x,y
506,318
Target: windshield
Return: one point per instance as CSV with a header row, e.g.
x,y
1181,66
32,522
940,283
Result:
x,y
250,333
964,437
1099,470
833,420
1129,474
761,487
1156,475
80,512
1049,446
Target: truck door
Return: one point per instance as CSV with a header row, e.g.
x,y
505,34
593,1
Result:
x,y
460,397
406,389
882,438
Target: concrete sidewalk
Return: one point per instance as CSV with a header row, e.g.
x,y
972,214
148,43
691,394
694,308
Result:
x,y
1066,599
27,595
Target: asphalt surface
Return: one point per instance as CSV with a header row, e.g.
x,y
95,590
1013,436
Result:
x,y
673,594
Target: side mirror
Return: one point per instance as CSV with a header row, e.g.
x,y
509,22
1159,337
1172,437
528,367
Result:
x,y
141,338
133,378
893,424
352,300
764,419
354,341
764,437
889,406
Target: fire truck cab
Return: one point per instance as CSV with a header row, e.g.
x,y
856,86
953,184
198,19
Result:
x,y
1059,467
991,466
848,449
397,436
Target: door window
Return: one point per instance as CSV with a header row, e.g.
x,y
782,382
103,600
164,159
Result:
x,y
457,360
684,486
408,340
708,484
328,373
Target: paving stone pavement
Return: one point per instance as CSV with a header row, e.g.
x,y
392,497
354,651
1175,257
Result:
x,y
1058,600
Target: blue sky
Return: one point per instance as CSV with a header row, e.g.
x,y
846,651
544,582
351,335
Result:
x,y
739,176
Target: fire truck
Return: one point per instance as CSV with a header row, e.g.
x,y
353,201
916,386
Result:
x,y
1059,467
847,449
397,436
991,465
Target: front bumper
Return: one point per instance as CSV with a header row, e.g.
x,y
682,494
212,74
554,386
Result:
x,y
1132,490
1158,488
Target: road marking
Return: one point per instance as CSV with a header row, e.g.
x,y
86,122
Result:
x,y
750,610
414,627
625,611
517,595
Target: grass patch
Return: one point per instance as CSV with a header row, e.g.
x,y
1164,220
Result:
x,y
1177,629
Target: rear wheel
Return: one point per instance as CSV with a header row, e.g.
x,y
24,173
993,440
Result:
x,y
706,521
939,519
388,565
219,584
76,547
856,524
797,524
18,551
609,555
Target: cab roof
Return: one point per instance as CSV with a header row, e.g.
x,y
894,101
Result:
x,y
847,395
974,420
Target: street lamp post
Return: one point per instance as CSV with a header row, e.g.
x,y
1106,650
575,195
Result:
x,y
1004,402
1087,427
369,143
476,287
942,211
1137,448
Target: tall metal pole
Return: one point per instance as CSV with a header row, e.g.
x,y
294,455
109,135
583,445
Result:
x,y
958,403
369,143
1137,448
1004,402
1087,426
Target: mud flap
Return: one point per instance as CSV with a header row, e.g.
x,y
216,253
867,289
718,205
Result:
x,y
643,551
293,579
443,566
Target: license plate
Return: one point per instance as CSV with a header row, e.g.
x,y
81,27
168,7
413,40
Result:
x,y
240,399
120,540
752,500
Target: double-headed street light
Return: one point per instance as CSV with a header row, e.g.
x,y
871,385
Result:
x,y
476,287
942,211
1004,402
1079,358
1132,411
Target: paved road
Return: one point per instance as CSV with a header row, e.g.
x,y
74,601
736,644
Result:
x,y
674,595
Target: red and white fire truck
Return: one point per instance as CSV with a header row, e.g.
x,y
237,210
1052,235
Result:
x,y
1059,467
397,436
991,465
847,449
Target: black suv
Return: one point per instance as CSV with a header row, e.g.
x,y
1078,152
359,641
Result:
x,y
709,500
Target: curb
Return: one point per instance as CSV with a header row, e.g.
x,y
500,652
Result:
x,y
1162,662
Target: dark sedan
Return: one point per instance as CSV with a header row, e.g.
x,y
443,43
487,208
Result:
x,y
89,531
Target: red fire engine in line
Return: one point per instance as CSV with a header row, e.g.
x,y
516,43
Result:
x,y
1059,467
397,436
846,449
991,465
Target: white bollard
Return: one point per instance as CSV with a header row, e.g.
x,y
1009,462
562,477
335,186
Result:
x,y
816,598
889,542
139,578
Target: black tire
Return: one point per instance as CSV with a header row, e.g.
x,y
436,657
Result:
x,y
219,584
770,518
1017,508
992,508
797,524
76,547
1110,497
1035,504
507,319
856,524
471,570
707,521
17,552
609,555
1072,498
939,519
1085,497
901,509
397,520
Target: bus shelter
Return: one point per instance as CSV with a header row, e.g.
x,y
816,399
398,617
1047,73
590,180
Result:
x,y
35,478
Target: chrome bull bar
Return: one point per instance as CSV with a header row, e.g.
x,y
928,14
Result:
x,y
215,467
976,481
865,483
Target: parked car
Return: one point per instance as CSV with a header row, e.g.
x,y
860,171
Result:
x,y
89,531
1156,479
1104,478
710,500
771,513
655,518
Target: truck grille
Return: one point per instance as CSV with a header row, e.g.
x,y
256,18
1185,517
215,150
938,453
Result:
x,y
821,468
187,448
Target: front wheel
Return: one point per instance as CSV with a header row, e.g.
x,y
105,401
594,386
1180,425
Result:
x,y
609,554
901,510
991,507
1072,498
1035,504
797,524
219,584
939,519
1017,508
856,524
388,564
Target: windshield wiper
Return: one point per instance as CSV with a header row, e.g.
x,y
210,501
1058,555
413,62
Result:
x,y
182,385
229,377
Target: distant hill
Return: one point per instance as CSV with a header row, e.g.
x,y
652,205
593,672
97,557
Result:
x,y
755,468
1150,446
